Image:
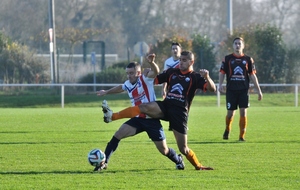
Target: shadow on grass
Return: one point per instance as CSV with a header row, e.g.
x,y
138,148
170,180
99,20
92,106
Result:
x,y
29,143
76,172
56,131
246,142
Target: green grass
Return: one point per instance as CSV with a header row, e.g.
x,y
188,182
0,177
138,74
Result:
x,y
46,148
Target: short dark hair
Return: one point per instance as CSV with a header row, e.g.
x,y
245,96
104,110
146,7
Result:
x,y
133,65
238,38
175,44
189,54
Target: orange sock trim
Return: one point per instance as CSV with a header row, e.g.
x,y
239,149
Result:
x,y
192,158
243,125
126,113
228,123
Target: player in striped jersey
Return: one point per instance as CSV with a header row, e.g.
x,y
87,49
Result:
x,y
140,88
182,85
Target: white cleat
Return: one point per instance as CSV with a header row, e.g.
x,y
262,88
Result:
x,y
100,167
107,112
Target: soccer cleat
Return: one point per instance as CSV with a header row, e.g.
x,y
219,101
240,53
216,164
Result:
x,y
102,166
203,168
226,135
242,139
180,165
107,112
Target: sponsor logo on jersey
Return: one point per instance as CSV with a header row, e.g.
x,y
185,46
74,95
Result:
x,y
238,71
238,74
138,98
177,87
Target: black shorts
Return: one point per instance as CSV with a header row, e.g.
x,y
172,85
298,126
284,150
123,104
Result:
x,y
152,127
176,115
235,98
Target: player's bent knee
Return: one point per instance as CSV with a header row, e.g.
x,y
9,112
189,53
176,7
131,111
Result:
x,y
184,151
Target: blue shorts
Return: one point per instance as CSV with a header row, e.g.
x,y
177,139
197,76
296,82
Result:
x,y
153,127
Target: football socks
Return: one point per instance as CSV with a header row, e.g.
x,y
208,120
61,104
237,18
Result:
x,y
228,123
112,145
243,125
173,156
129,112
192,158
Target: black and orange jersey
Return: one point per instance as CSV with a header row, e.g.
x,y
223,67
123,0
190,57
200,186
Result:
x,y
181,86
237,70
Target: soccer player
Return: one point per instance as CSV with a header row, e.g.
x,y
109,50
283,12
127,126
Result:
x,y
183,83
238,68
140,88
171,62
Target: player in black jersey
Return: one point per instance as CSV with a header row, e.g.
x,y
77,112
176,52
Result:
x,y
171,62
182,84
239,69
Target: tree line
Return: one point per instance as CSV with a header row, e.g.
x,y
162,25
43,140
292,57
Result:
x,y
274,61
200,26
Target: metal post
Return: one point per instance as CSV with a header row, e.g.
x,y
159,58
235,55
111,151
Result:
x,y
102,55
229,18
128,54
51,58
93,62
218,96
84,46
296,95
52,42
62,96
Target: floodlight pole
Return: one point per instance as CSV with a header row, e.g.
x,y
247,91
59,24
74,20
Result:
x,y
52,43
229,18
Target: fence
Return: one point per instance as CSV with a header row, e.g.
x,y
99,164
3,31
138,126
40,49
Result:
x,y
278,88
295,86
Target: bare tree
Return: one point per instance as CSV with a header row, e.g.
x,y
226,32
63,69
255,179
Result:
x,y
130,21
282,13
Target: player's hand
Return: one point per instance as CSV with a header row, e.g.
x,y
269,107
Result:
x,y
260,96
101,92
151,58
221,89
204,73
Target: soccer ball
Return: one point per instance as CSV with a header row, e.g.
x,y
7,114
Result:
x,y
96,157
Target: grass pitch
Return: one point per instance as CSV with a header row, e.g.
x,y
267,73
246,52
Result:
x,y
46,148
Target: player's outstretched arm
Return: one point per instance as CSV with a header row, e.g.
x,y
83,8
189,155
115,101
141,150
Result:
x,y
113,90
